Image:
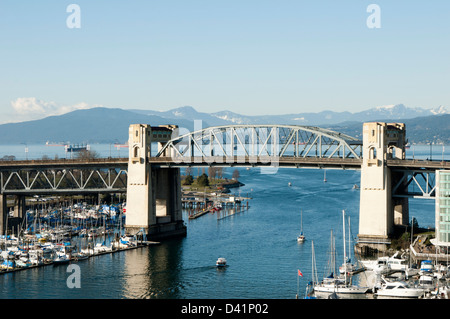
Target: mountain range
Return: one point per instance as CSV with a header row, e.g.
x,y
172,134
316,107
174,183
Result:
x,y
110,125
391,112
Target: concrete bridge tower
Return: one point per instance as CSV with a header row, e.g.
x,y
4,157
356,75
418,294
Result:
x,y
379,211
153,193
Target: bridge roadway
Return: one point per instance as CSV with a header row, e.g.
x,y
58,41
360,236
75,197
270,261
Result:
x,y
299,162
110,162
258,161
246,161
414,164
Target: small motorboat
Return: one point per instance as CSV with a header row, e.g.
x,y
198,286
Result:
x,y
221,262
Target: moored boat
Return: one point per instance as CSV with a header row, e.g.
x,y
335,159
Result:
x,y
8,264
426,267
61,258
339,286
80,256
399,289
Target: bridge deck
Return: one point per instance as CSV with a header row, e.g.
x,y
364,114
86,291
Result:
x,y
413,164
284,161
250,161
121,162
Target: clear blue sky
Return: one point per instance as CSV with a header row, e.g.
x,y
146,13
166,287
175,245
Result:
x,y
246,56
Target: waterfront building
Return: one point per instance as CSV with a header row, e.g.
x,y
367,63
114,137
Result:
x,y
442,208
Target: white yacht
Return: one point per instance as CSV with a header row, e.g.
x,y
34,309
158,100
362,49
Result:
x,y
385,264
426,281
399,289
397,263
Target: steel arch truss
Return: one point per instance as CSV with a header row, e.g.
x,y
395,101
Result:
x,y
416,184
62,180
258,141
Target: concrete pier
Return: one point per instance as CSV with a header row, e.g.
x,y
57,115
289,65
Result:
x,y
379,211
153,193
3,213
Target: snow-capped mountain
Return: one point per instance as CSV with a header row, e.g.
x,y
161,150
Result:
x,y
397,111
440,110
379,113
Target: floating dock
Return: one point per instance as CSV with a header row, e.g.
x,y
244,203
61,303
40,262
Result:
x,y
200,213
140,244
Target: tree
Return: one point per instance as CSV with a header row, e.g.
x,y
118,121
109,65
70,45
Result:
x,y
8,158
86,154
203,180
219,172
236,174
212,172
188,180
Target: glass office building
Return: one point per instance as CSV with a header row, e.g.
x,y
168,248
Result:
x,y
443,208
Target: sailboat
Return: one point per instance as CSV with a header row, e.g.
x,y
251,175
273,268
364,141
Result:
x,y
348,267
301,238
338,285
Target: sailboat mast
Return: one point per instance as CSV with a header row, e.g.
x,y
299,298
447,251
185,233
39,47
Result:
x,y
345,255
349,235
301,221
315,280
333,255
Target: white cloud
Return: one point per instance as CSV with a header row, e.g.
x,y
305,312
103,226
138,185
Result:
x,y
31,108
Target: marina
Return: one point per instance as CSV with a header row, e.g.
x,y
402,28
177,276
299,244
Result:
x,y
56,236
11,266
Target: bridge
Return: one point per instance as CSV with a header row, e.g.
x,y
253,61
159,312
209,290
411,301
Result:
x,y
151,174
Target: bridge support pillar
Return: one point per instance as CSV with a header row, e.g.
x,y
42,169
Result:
x,y
379,211
3,213
153,194
19,206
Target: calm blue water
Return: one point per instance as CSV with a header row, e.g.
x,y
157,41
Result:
x,y
259,244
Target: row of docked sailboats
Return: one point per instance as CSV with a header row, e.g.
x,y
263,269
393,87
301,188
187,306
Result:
x,y
342,283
